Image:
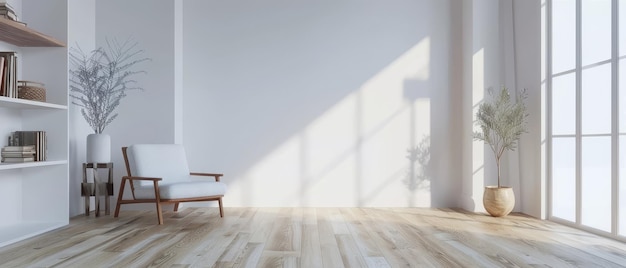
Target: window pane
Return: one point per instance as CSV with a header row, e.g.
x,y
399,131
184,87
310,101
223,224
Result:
x,y
622,95
622,184
596,182
563,35
622,27
564,104
596,31
564,178
596,100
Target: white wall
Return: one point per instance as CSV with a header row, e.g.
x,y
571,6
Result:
x,y
316,103
144,116
81,33
528,51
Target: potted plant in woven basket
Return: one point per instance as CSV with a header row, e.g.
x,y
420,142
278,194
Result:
x,y
501,122
98,82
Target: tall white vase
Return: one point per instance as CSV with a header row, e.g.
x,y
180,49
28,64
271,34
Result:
x,y
98,148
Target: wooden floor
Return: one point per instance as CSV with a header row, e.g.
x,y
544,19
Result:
x,y
314,237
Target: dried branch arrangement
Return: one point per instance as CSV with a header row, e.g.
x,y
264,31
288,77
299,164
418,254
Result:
x,y
99,80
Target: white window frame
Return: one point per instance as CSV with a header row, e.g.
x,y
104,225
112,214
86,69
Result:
x,y
615,135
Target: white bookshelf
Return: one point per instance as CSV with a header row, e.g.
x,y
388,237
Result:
x,y
36,194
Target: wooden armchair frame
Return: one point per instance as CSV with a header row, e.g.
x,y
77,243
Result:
x,y
158,200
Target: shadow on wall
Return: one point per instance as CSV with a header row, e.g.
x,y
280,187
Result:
x,y
316,106
418,175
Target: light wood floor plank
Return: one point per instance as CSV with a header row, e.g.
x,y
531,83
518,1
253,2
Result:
x,y
362,238
314,237
331,257
311,255
250,256
233,250
215,243
410,241
349,251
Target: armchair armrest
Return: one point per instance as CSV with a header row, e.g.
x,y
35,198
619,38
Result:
x,y
216,175
141,178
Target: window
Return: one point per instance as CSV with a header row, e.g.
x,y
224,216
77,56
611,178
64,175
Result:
x,y
587,131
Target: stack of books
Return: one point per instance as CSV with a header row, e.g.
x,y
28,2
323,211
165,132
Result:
x,y
6,11
36,139
18,154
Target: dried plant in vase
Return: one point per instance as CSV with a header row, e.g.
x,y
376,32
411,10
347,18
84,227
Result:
x,y
98,82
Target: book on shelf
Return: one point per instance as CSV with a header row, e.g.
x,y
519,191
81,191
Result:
x,y
36,139
8,15
17,159
9,74
7,11
26,148
18,154
1,76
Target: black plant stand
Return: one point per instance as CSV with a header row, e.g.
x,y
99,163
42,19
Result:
x,y
97,188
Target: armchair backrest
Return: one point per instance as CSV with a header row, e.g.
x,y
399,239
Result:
x,y
166,161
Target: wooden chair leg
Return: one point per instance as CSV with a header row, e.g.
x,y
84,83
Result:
x,y
221,207
86,189
159,212
157,197
119,198
176,206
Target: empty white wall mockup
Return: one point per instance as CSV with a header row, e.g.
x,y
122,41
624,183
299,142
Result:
x,y
321,103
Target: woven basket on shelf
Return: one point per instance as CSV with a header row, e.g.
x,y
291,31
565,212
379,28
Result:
x,y
30,90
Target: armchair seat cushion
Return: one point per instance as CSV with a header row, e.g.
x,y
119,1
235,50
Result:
x,y
182,189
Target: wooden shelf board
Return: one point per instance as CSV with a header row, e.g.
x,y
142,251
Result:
x,y
7,166
15,103
20,35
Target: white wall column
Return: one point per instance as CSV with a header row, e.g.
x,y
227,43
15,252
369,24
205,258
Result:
x,y
178,75
81,17
481,70
528,32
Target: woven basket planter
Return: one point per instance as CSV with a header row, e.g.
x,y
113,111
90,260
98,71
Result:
x,y
30,90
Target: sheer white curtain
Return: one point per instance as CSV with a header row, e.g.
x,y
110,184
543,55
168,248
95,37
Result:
x,y
508,76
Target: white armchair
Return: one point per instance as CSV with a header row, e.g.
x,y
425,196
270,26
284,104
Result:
x,y
158,173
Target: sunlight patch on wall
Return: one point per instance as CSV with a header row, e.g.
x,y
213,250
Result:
x,y
358,152
330,155
271,180
385,93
